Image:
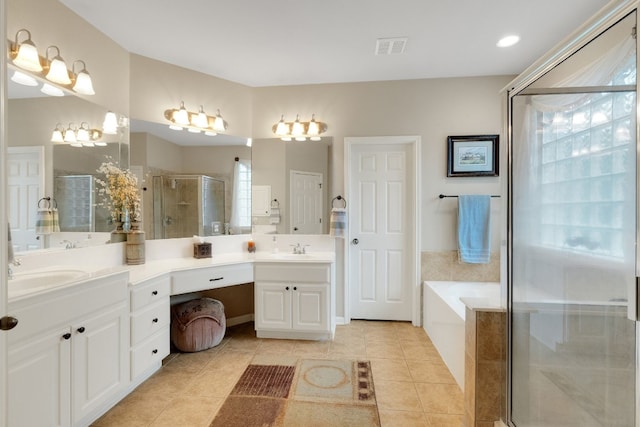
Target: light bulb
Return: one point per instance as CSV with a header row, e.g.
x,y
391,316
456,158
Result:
x,y
181,116
84,85
218,123
51,90
201,120
110,124
297,129
58,72
23,79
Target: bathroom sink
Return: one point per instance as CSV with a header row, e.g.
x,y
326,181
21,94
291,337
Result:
x,y
28,280
290,256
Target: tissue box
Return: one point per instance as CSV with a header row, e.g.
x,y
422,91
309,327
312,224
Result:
x,y
202,250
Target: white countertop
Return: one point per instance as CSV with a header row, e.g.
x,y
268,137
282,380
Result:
x,y
69,275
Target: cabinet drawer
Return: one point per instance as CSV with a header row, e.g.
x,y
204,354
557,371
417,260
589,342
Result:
x,y
149,352
149,292
210,278
149,321
293,272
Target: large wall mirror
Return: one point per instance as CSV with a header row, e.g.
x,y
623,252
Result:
x,y
193,184
44,174
290,186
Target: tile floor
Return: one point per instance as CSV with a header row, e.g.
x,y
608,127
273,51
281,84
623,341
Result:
x,y
413,386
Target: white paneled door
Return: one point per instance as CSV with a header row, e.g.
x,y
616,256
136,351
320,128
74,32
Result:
x,y
382,233
306,202
25,171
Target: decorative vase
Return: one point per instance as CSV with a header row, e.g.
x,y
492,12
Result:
x,y
118,234
135,248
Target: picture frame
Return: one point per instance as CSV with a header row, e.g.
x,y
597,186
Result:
x,y
473,155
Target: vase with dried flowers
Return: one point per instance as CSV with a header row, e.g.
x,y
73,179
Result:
x,y
121,196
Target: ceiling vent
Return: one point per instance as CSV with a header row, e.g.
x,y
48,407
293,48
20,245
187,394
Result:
x,y
391,46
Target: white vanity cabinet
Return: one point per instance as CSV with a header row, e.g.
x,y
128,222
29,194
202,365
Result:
x,y
150,325
68,356
294,300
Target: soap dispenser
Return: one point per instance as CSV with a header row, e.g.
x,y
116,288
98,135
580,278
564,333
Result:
x,y
274,243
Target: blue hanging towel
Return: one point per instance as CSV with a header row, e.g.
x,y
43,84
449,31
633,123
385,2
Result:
x,y
474,229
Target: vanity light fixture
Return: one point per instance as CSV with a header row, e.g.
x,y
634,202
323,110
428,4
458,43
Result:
x,y
58,72
298,130
25,54
198,122
83,136
83,84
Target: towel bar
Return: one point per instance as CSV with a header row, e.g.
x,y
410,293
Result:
x,y
442,196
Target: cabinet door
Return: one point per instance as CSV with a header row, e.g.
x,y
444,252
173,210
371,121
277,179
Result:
x,y
100,361
310,308
273,306
39,381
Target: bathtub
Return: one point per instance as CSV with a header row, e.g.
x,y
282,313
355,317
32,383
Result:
x,y
444,315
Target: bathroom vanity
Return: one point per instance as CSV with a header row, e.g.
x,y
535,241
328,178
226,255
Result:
x,y
87,336
295,297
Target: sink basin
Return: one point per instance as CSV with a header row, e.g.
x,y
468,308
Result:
x,y
293,256
28,280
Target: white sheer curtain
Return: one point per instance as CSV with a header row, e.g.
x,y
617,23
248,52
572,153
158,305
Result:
x,y
241,197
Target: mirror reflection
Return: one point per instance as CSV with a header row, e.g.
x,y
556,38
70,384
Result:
x,y
193,184
44,175
290,186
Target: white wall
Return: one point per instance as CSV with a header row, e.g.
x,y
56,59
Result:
x,y
432,109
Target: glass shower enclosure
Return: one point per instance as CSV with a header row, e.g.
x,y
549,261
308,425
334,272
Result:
x,y
572,248
187,205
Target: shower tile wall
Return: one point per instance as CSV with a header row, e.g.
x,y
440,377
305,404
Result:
x,y
74,195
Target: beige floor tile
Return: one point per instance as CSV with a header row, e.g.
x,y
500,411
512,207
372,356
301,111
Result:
x,y
419,350
384,350
189,411
412,385
442,420
389,370
213,383
440,398
430,371
397,395
165,383
389,418
275,346
135,410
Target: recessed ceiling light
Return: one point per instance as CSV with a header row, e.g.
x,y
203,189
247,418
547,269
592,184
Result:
x,y
508,41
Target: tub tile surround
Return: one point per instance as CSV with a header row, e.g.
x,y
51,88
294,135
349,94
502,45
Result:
x,y
485,359
445,266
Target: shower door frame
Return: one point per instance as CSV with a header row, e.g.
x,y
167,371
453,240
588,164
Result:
x,y
598,24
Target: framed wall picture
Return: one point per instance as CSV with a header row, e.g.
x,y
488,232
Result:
x,y
472,155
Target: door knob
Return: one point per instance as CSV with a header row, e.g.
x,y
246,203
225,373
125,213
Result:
x,y
7,323
355,241
66,336
81,329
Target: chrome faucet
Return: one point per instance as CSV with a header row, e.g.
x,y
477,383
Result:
x,y
68,244
299,249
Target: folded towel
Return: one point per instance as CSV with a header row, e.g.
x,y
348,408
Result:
x,y
56,221
474,229
338,222
274,217
44,221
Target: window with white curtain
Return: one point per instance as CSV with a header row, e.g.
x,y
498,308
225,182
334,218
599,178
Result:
x,y
241,206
